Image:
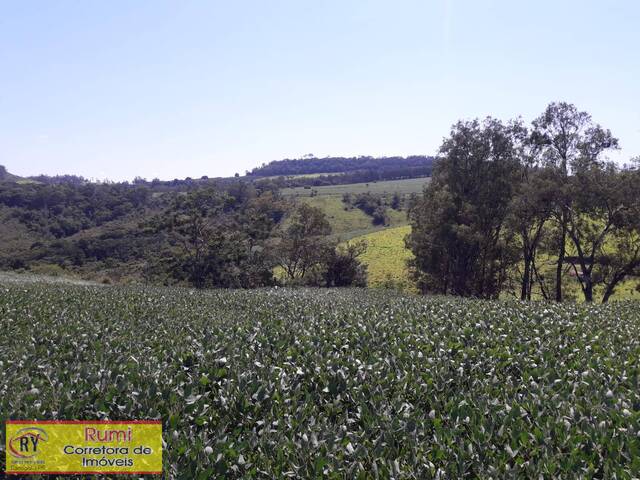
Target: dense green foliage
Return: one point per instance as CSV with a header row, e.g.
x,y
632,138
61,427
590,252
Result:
x,y
388,167
457,235
503,197
344,267
210,235
308,255
218,239
56,211
333,383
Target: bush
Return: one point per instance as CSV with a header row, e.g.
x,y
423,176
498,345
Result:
x,y
343,269
50,270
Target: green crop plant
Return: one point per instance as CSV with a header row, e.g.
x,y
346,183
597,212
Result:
x,y
298,383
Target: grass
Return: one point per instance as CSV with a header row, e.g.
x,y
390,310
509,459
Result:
x,y
386,258
342,221
333,383
349,223
408,186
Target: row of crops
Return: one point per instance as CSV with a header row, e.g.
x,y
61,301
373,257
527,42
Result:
x,y
333,383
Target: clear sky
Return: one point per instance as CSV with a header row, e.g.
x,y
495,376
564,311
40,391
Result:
x,y
116,89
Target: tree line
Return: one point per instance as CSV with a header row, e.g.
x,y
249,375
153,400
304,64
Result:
x,y
358,176
525,208
313,165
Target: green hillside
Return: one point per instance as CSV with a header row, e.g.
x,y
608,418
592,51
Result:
x,y
408,186
386,258
386,254
347,222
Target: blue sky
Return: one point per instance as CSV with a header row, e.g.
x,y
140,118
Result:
x,y
162,89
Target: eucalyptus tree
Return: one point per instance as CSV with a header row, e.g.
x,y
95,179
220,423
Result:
x,y
459,237
566,136
623,262
596,211
604,226
529,214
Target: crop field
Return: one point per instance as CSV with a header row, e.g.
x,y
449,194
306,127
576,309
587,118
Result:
x,y
408,186
333,383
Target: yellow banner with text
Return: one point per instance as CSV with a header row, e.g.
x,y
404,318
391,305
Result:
x,y
83,447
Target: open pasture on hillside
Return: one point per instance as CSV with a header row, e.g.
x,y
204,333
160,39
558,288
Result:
x,y
349,222
407,186
333,383
386,258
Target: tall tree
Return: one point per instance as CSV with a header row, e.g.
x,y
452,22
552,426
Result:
x,y
459,237
529,213
604,226
218,240
564,134
305,243
189,223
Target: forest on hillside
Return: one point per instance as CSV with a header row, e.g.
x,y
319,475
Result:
x,y
228,234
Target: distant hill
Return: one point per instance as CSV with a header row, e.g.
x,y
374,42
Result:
x,y
309,171
417,164
5,176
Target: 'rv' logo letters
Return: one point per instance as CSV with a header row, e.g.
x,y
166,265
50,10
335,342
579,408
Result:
x,y
26,442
